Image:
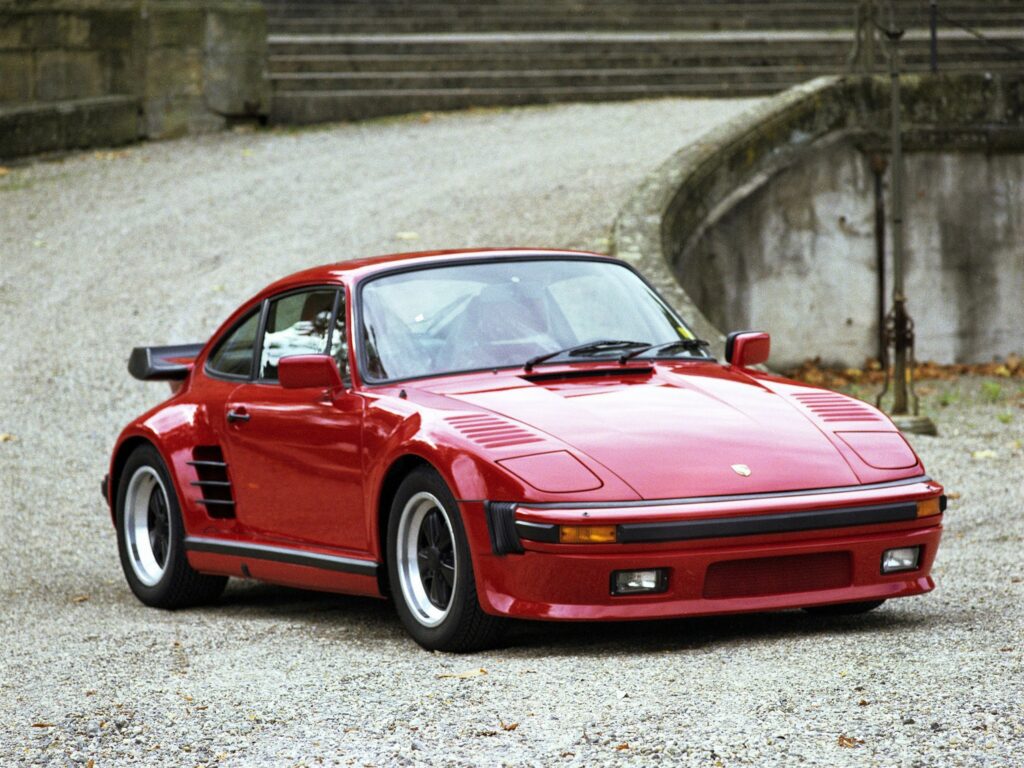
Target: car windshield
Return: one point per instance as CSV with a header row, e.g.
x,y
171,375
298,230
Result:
x,y
501,314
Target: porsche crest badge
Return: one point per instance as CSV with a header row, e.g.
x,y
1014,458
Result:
x,y
741,469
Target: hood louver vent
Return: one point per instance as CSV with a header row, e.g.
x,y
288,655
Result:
x,y
829,406
213,481
491,431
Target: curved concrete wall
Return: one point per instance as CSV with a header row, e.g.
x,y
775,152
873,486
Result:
x,y
798,257
769,222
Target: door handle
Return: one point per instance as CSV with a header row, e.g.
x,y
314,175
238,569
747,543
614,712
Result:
x,y
239,415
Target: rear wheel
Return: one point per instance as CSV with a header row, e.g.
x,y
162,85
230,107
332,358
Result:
x,y
430,570
844,609
150,537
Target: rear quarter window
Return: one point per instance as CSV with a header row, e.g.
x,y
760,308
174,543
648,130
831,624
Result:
x,y
233,354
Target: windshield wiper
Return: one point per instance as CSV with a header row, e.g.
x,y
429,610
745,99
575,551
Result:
x,y
605,345
686,345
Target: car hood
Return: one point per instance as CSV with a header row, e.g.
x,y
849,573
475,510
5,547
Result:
x,y
673,431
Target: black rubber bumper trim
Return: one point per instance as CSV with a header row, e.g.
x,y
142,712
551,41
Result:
x,y
748,525
546,532
105,488
753,525
281,555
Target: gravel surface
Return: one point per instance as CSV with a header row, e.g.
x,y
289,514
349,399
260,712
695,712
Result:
x,y
158,243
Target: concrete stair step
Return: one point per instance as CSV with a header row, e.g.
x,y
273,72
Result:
x,y
738,43
641,57
531,79
621,7
304,107
693,22
528,79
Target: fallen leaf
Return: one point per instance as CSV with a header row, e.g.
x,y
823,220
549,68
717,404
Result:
x,y
954,495
486,733
6,437
4,170
464,675
622,746
849,741
567,754
407,235
90,763
1006,649
984,454
42,725
79,598
863,703
508,726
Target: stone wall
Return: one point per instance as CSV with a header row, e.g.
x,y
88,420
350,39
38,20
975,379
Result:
x,y
153,69
769,221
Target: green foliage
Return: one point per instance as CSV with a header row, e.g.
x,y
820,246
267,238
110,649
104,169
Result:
x,y
1005,418
991,392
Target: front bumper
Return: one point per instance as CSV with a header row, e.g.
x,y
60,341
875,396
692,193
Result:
x,y
722,556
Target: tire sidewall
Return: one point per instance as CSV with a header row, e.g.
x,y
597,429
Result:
x,y
157,594
441,635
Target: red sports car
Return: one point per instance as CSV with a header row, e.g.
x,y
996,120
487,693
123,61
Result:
x,y
485,435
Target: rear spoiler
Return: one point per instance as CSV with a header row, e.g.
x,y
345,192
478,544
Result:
x,y
163,363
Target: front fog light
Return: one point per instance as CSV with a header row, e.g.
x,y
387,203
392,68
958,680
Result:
x,y
902,559
632,582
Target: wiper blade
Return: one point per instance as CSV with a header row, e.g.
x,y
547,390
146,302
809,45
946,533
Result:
x,y
686,345
591,347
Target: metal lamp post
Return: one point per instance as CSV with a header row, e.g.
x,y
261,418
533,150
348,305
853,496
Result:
x,y
899,327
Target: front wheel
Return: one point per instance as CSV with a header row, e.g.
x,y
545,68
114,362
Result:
x,y
151,537
430,570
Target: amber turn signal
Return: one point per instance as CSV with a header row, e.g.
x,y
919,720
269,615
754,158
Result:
x,y
928,507
586,534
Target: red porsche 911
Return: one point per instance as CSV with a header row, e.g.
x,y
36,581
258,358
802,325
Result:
x,y
486,435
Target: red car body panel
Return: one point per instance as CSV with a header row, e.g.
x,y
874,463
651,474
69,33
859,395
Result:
x,y
584,443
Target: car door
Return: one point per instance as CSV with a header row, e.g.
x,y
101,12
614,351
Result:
x,y
295,454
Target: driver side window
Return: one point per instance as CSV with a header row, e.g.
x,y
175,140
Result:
x,y
301,324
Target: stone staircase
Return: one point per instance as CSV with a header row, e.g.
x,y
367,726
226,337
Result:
x,y
354,59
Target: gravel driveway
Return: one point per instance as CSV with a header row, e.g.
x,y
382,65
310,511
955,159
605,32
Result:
x,y
156,244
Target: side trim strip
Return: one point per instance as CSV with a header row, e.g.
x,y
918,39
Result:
x,y
736,497
749,525
281,555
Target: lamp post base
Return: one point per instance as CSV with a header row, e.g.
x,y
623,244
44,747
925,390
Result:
x,y
915,425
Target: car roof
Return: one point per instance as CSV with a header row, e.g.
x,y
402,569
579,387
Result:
x,y
355,270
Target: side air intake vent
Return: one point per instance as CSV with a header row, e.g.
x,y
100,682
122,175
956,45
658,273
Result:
x,y
492,431
829,406
213,481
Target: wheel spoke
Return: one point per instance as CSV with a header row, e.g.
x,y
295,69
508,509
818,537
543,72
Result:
x,y
158,543
433,526
434,590
444,591
447,573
